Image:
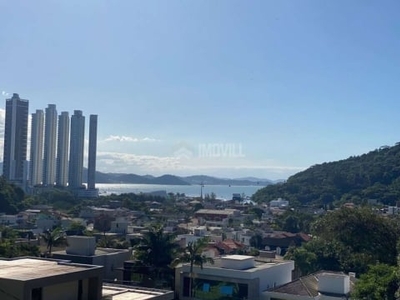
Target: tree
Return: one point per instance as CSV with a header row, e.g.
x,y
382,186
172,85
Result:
x,y
380,283
294,222
156,250
367,237
102,223
53,238
256,241
348,240
76,228
306,261
193,255
256,211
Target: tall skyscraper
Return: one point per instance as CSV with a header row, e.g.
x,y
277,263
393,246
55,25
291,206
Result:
x,y
76,149
50,139
62,149
36,155
15,138
92,152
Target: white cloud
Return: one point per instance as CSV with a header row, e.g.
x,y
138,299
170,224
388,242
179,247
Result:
x,y
132,163
118,138
116,162
5,94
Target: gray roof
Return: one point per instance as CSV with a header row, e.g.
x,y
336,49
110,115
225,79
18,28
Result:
x,y
306,285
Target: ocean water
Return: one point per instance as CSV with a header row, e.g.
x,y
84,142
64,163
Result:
x,y
221,191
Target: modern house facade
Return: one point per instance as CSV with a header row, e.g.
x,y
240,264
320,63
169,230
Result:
x,y
82,249
34,279
235,276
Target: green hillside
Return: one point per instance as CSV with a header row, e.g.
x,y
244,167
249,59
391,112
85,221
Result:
x,y
371,176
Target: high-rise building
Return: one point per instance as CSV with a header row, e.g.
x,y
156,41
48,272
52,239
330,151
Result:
x,y
36,155
50,139
92,152
15,138
76,149
62,149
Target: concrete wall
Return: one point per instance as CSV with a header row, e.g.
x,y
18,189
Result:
x,y
81,245
276,275
61,291
11,290
272,295
111,262
333,283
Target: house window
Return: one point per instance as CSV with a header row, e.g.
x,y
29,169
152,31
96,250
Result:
x,y
37,294
215,290
80,290
186,286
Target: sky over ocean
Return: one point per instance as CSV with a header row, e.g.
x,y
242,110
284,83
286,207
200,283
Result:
x,y
225,88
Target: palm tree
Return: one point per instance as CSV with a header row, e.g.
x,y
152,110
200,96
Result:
x,y
193,255
156,250
53,238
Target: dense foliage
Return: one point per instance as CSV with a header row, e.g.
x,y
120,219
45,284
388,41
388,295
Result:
x,y
348,240
371,176
380,282
11,197
294,221
155,252
9,247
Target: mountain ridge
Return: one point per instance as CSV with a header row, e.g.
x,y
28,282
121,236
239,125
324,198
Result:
x,y
168,179
367,178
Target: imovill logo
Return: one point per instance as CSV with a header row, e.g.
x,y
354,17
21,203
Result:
x,y
183,151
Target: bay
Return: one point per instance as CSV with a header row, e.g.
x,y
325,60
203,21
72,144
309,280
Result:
x,y
221,191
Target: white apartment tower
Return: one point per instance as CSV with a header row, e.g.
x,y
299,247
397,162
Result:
x,y
76,150
36,153
92,152
62,149
50,139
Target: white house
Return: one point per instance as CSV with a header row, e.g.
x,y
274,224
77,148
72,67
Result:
x,y
323,285
120,225
279,203
237,276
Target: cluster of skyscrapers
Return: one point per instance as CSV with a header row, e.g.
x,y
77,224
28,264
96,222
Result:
x,y
56,148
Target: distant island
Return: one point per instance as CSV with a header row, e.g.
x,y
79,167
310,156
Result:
x,y
177,180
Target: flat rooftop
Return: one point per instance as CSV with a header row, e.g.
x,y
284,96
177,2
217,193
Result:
x,y
222,262
116,292
28,268
226,211
97,252
237,257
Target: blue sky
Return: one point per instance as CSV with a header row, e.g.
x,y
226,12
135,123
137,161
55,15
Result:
x,y
288,83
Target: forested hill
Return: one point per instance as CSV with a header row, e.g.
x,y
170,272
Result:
x,y
375,175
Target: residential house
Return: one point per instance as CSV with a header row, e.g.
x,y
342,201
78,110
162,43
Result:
x,y
323,285
279,203
34,279
82,249
27,278
216,217
235,276
120,225
230,247
280,241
